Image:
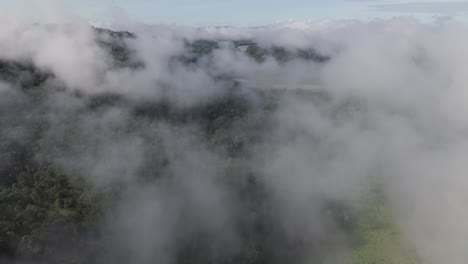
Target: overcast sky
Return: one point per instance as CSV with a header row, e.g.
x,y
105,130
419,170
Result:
x,y
243,12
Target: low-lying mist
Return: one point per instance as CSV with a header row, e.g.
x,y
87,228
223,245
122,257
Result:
x,y
280,144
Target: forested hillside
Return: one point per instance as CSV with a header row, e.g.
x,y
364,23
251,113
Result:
x,y
232,172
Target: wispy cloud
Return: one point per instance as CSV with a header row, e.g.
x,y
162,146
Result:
x,y
446,7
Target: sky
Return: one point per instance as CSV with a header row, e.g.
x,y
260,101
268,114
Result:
x,y
244,12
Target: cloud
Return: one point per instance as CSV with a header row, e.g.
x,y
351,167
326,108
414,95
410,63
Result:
x,y
389,106
442,8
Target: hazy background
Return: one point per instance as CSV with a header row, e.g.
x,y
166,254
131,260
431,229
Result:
x,y
245,12
396,114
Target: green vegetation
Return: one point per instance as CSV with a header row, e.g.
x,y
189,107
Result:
x,y
379,240
43,212
49,214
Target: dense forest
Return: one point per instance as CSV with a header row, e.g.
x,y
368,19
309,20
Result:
x,y
107,177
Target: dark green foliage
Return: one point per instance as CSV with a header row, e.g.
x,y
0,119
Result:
x,y
115,34
23,74
103,100
312,55
52,215
115,42
203,47
281,54
257,53
196,50
238,43
44,211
